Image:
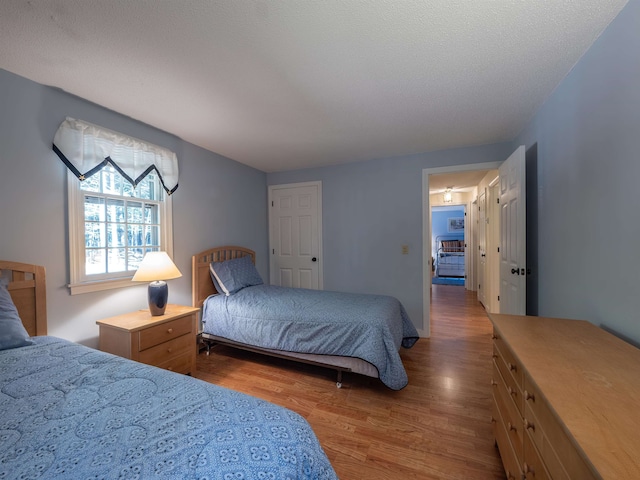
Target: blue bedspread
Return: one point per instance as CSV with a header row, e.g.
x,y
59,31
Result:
x,y
370,327
68,411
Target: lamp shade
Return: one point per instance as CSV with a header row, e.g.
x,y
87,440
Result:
x,y
156,266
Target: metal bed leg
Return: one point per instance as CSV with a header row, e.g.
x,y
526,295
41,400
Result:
x,y
339,381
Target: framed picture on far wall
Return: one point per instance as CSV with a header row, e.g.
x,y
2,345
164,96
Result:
x,y
455,225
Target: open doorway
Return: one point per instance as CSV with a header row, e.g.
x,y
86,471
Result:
x,y
448,245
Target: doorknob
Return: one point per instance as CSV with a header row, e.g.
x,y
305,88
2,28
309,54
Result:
x,y
314,259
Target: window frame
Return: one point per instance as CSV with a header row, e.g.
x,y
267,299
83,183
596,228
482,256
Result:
x,y
79,281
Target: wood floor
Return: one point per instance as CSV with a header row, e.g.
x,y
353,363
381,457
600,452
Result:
x,y
438,427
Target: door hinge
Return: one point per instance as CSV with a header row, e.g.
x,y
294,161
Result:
x,y
273,251
272,203
498,200
498,249
498,297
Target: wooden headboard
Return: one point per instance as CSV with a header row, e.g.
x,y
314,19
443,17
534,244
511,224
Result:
x,y
27,286
201,283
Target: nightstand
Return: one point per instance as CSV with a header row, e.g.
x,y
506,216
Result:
x,y
167,341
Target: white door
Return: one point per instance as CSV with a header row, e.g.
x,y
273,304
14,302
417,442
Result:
x,y
513,246
482,246
295,235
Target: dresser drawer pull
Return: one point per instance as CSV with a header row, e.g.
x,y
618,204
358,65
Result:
x,y
493,382
529,396
169,350
510,475
528,425
512,367
512,391
170,330
526,468
494,337
511,426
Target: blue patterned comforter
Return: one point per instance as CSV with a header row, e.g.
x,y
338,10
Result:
x,y
68,411
370,327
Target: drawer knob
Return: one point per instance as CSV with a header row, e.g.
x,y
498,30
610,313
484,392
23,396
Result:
x,y
529,396
512,367
528,425
510,475
494,337
493,420
512,391
511,426
526,468
493,382
169,350
170,330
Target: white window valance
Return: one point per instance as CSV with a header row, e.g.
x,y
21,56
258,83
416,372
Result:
x,y
86,148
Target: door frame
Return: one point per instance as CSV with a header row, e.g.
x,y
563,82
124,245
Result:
x,y
271,188
426,233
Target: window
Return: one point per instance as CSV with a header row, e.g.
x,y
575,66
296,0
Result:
x,y
112,224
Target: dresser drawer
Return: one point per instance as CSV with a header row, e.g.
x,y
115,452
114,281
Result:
x,y
562,458
167,350
510,414
513,365
163,332
507,369
508,456
533,467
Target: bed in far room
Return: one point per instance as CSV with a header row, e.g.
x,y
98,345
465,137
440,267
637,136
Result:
x,y
69,411
347,332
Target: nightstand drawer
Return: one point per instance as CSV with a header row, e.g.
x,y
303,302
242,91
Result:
x,y
167,350
155,335
181,364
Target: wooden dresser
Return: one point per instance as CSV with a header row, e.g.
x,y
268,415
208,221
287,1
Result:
x,y
566,400
167,341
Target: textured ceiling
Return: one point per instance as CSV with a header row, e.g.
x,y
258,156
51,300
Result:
x,y
287,84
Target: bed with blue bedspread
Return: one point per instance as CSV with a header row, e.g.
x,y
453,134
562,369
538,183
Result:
x,y
370,328
69,411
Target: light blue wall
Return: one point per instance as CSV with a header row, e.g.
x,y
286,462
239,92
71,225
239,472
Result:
x,y
218,202
369,210
587,137
440,224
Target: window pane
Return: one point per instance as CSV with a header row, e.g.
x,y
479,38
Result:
x,y
115,210
111,181
134,212
116,235
127,189
117,260
94,234
135,235
135,257
94,209
151,213
91,184
152,236
95,262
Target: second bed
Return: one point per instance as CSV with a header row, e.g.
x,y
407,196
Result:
x,y
347,332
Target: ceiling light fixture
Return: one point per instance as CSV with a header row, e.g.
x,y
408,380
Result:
x,y
448,197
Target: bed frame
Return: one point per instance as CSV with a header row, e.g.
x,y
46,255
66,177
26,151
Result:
x,y
27,286
203,287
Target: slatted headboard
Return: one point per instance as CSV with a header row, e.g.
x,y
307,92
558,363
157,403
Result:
x,y
27,286
202,286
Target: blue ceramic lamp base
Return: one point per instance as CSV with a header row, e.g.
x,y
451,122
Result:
x,y
158,295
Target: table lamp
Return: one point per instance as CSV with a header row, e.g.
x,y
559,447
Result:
x,y
156,267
